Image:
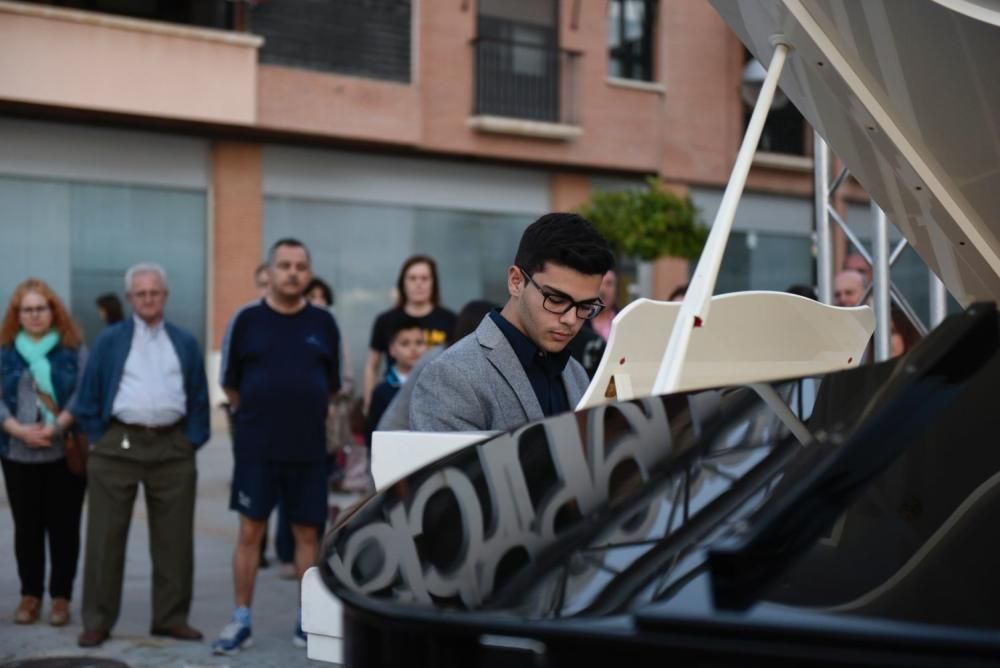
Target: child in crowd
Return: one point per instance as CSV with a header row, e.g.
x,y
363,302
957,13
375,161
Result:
x,y
406,345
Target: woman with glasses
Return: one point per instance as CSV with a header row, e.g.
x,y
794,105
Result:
x,y
42,359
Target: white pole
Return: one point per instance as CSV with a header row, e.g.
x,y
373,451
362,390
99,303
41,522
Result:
x,y
821,199
694,309
939,300
880,255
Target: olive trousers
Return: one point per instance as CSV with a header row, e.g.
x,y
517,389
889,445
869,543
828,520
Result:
x,y
163,463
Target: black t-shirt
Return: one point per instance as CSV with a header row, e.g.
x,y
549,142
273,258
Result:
x,y
437,325
285,368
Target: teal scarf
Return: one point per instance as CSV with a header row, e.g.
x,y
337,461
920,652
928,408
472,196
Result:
x,y
36,354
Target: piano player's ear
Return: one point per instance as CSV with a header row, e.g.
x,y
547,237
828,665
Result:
x,y
515,281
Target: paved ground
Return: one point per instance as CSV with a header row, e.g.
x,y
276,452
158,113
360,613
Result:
x,y
274,609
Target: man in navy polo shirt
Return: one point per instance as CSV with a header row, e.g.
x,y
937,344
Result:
x,y
280,370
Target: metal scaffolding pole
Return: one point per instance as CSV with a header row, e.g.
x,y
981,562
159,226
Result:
x,y
880,265
939,300
824,238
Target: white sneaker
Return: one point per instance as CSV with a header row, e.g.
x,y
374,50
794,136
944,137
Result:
x,y
234,637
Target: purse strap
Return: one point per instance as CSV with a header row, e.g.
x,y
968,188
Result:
x,y
48,401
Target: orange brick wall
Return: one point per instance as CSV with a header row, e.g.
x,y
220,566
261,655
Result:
x,y
702,120
237,170
320,103
620,125
568,191
687,130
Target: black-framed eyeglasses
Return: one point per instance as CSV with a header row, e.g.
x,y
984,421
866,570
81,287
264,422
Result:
x,y
560,303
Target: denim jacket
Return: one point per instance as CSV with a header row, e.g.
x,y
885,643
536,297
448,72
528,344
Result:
x,y
65,366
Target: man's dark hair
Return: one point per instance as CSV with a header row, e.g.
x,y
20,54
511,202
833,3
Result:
x,y
289,242
469,318
403,323
566,239
323,286
401,279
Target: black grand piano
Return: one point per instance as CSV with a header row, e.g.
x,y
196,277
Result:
x,y
847,518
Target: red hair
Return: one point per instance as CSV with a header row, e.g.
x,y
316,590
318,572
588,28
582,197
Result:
x,y
69,333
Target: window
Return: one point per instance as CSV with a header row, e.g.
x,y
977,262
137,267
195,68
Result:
x,y
358,249
519,66
365,38
785,128
765,261
631,35
81,237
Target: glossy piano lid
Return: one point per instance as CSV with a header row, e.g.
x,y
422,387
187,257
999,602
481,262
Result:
x,y
906,94
704,501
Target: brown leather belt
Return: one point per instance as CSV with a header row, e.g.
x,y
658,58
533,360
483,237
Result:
x,y
147,429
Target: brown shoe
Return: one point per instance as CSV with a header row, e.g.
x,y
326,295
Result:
x,y
179,632
27,610
92,638
59,614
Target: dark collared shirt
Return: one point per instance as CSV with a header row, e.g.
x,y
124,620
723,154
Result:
x,y
544,369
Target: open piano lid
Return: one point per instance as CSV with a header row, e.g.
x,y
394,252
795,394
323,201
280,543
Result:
x,y
907,95
696,527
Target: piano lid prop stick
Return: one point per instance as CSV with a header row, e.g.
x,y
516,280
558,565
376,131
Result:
x,y
694,309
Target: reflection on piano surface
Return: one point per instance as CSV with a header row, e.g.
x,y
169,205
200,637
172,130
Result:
x,y
625,523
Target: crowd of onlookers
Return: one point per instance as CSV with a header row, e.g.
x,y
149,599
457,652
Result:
x,y
131,411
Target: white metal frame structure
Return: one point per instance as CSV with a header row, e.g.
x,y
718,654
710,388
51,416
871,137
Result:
x,y
880,258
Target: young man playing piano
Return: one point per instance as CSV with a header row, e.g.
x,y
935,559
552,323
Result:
x,y
516,366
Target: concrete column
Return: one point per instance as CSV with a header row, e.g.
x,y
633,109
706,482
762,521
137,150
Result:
x,y
237,205
568,191
669,273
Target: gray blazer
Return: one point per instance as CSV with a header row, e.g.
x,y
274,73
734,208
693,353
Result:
x,y
397,413
478,384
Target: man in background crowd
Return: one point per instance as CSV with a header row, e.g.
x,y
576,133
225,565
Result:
x,y
144,405
281,368
848,288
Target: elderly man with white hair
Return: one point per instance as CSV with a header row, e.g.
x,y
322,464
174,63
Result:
x,y
144,405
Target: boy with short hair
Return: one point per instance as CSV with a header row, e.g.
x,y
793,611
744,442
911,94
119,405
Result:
x,y
406,346
516,366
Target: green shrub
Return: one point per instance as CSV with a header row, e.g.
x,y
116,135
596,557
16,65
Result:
x,y
649,223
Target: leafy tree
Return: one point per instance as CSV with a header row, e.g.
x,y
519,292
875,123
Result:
x,y
649,223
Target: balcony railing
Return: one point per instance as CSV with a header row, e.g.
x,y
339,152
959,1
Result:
x,y
526,81
218,14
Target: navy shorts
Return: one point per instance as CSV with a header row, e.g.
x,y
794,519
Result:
x,y
301,486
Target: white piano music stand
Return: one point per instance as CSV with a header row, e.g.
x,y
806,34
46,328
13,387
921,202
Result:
x,y
751,337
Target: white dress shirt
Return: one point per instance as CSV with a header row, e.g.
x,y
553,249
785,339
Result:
x,y
151,391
